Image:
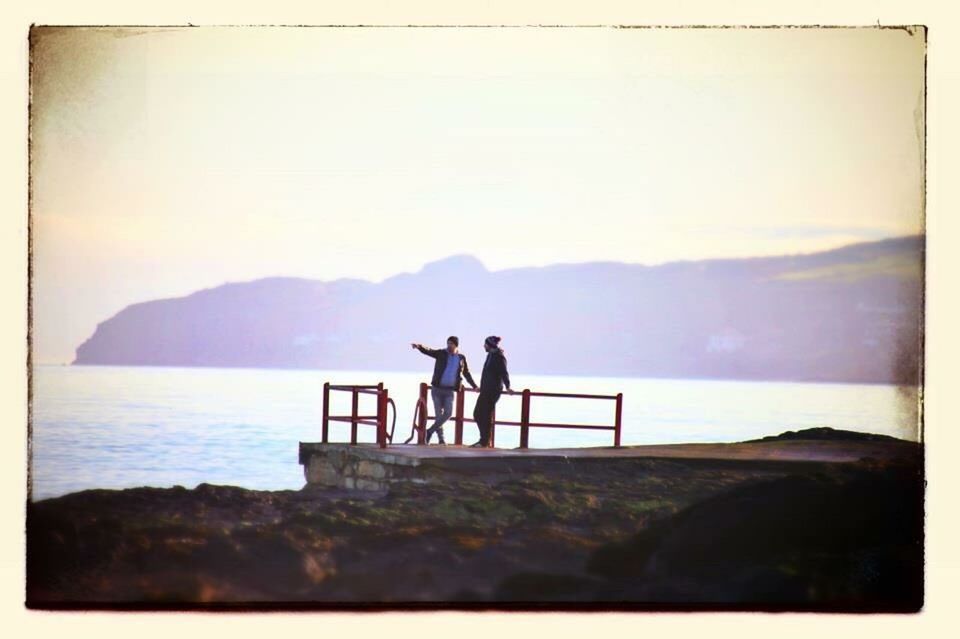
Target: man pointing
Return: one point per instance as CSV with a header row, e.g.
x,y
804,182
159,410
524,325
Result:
x,y
448,369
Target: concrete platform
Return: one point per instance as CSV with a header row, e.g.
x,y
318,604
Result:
x,y
368,467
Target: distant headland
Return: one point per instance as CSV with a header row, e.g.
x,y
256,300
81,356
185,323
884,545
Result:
x,y
852,314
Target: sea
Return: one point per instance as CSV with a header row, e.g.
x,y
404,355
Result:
x,y
120,427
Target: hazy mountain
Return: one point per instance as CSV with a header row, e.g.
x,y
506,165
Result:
x,y
851,314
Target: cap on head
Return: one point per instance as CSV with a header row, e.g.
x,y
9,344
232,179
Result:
x,y
493,341
454,339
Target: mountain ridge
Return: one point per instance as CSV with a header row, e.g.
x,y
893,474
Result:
x,y
848,314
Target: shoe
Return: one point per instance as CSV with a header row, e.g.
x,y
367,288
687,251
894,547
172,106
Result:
x,y
478,445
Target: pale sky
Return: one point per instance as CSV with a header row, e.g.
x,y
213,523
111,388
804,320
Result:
x,y
166,161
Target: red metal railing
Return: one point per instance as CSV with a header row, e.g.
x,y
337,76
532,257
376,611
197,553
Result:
x,y
354,418
525,424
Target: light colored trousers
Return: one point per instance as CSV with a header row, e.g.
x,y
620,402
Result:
x,y
442,407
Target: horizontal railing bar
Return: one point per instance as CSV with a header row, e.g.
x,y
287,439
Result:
x,y
583,426
570,395
531,425
349,420
539,394
467,420
352,386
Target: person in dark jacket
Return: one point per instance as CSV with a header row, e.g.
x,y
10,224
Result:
x,y
492,382
449,368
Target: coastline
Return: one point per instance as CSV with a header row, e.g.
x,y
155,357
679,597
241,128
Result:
x,y
714,532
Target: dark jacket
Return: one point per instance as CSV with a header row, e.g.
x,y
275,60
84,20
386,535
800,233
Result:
x,y
495,375
440,354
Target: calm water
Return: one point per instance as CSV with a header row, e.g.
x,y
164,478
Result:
x,y
118,427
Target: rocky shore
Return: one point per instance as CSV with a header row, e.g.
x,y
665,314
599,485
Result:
x,y
653,533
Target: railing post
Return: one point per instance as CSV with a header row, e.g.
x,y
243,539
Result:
x,y
422,425
458,419
616,424
354,415
525,419
493,427
382,417
325,428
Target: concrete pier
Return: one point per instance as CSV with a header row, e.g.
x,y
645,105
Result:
x,y
368,467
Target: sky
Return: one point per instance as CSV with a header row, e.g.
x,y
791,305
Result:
x,y
164,161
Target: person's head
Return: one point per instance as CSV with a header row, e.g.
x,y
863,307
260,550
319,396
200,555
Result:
x,y
453,343
492,343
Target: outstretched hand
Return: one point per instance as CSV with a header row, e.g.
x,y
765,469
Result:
x,y
413,345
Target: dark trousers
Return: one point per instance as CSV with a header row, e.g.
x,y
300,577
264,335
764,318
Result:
x,y
483,414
